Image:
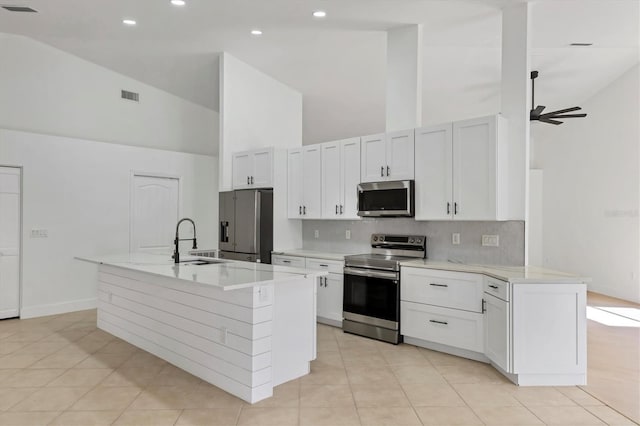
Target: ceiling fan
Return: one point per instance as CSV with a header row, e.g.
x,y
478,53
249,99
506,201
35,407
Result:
x,y
550,117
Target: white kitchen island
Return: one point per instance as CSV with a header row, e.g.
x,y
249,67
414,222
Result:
x,y
244,327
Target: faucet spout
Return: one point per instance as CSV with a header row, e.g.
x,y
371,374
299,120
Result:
x,y
176,251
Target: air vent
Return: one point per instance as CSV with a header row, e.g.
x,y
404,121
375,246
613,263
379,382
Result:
x,y
19,9
130,96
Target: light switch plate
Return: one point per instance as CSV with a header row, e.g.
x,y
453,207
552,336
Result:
x,y
39,233
347,234
490,240
316,234
455,238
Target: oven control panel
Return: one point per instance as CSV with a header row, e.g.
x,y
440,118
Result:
x,y
404,241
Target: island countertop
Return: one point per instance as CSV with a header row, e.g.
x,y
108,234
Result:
x,y
513,274
226,275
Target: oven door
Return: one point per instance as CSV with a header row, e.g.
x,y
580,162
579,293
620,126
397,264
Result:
x,y
376,199
372,297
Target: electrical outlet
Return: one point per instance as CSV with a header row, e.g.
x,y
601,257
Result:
x,y
39,233
347,234
491,240
455,238
316,234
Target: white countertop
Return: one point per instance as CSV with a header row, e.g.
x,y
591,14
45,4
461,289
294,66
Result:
x,y
230,275
313,254
514,274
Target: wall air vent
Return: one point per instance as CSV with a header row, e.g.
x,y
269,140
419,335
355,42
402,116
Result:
x,y
19,9
130,96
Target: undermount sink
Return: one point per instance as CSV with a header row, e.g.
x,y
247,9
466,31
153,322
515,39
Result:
x,y
198,262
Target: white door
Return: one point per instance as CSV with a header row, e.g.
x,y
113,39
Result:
x,y
262,169
474,169
331,199
434,172
294,183
400,155
374,158
9,242
350,177
312,184
154,214
241,168
497,342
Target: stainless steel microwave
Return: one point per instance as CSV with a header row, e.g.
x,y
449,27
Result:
x,y
390,199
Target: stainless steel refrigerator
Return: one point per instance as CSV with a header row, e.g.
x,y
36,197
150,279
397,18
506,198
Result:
x,y
246,225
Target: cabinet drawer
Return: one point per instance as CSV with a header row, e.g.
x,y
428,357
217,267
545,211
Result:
x,y
498,288
457,290
333,266
459,329
293,261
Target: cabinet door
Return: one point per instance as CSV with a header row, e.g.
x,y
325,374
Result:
x,y
400,155
350,177
311,182
374,158
331,200
434,172
261,175
322,302
241,167
333,293
497,341
474,169
294,183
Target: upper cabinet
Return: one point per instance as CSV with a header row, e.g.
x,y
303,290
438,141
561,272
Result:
x,y
340,178
461,170
388,156
304,182
253,169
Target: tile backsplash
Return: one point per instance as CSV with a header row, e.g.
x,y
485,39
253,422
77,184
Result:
x,y
331,238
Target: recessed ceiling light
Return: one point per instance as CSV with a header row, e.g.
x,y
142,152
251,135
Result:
x,y
129,22
256,32
319,14
581,44
178,2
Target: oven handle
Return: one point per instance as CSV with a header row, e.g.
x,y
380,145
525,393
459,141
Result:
x,y
371,273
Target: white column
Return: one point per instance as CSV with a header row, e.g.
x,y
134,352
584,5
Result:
x,y
404,78
516,99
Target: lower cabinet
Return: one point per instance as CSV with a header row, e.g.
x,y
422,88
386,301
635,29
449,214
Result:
x,y
497,333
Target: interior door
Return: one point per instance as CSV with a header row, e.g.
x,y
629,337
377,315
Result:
x,y
154,214
400,155
350,177
331,179
434,172
9,242
246,221
374,158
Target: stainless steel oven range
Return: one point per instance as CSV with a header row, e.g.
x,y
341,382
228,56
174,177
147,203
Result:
x,y
371,305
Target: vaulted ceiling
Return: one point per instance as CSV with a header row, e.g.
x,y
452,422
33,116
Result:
x,y
338,63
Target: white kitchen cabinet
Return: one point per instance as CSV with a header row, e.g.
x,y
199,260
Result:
x,y
461,170
330,290
497,327
304,182
340,178
292,261
252,169
388,156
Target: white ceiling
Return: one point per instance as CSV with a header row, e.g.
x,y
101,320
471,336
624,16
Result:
x,y
339,63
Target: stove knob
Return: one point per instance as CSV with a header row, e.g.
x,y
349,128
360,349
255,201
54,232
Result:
x,y
418,240
375,238
410,240
381,238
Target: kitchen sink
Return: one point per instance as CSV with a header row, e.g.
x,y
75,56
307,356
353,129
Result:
x,y
198,262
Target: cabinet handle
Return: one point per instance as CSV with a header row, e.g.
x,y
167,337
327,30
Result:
x,y
325,281
484,306
439,285
341,208
336,209
286,261
439,322
455,208
493,286
388,168
248,180
381,171
324,266
304,209
448,208
300,210
251,180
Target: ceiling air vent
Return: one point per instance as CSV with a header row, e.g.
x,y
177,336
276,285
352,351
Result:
x,y
130,96
19,9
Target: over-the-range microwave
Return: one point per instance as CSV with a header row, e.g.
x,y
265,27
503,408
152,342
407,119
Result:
x,y
386,199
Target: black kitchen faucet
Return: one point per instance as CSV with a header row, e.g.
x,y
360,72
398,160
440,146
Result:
x,y
176,253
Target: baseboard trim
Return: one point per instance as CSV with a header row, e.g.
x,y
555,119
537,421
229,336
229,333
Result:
x,y
58,308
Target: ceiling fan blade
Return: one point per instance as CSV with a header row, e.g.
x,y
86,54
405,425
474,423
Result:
x,y
550,121
568,116
538,110
562,111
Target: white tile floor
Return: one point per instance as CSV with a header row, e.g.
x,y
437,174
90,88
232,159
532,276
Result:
x,y
61,370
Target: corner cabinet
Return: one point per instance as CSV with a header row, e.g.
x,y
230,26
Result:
x,y
304,182
388,156
340,178
461,171
252,169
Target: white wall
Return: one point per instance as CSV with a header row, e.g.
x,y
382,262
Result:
x,y
591,190
256,111
45,90
79,191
